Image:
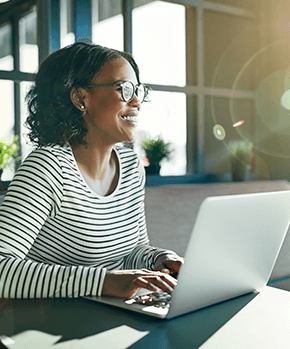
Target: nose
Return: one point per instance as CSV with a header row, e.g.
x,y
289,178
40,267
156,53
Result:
x,y
135,102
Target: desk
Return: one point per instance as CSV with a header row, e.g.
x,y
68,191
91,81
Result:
x,y
251,321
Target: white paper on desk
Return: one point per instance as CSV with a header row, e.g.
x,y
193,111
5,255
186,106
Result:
x,y
118,338
33,340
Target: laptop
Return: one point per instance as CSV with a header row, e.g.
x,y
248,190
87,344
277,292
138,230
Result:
x,y
232,250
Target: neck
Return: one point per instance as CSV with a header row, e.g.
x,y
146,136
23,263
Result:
x,y
100,168
95,161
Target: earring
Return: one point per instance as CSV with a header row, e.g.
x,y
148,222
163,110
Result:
x,y
83,109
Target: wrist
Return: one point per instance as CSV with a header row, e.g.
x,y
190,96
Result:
x,y
102,276
108,284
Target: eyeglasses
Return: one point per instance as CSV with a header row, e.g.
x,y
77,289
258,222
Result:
x,y
128,89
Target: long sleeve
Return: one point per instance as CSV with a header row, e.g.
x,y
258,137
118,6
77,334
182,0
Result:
x,y
35,196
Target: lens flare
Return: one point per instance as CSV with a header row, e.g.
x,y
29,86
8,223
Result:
x,y
239,123
285,100
260,93
219,132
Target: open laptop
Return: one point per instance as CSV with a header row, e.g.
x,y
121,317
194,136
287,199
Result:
x,y
232,250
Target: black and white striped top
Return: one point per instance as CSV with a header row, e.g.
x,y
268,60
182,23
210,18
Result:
x,y
57,236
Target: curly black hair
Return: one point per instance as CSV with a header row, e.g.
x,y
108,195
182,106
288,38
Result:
x,y
53,118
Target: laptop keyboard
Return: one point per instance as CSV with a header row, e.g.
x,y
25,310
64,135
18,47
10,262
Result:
x,y
157,299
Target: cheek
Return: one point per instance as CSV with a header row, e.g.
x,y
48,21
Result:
x,y
105,103
110,103
114,108
107,112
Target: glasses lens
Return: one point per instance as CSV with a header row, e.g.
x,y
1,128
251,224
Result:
x,y
127,91
140,92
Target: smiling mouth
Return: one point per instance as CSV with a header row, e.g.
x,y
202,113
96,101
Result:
x,y
132,120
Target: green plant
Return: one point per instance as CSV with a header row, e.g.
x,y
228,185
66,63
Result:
x,y
156,149
8,150
242,150
241,159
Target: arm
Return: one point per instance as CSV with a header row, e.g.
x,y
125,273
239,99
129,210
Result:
x,y
34,196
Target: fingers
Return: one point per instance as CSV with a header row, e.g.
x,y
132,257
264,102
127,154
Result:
x,y
164,283
143,283
151,281
125,283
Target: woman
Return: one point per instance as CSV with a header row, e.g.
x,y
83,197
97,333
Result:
x,y
72,223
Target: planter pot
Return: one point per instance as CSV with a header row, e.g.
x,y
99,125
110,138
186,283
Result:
x,y
239,170
239,173
153,169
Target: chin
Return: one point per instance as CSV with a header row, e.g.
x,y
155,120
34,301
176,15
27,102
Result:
x,y
129,139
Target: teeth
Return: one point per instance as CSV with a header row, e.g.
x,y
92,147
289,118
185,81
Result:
x,y
130,118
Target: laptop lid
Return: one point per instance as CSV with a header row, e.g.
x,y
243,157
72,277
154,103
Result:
x,y
232,250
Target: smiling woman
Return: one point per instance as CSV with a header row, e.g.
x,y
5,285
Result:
x,y
73,223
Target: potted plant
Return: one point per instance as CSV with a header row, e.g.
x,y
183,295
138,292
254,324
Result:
x,y
156,150
241,159
7,152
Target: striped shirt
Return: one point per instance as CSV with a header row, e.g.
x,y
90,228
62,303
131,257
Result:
x,y
58,237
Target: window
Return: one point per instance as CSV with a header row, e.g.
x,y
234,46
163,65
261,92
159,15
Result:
x,y
159,49
165,115
7,116
224,68
67,35
107,23
18,59
27,42
159,42
6,57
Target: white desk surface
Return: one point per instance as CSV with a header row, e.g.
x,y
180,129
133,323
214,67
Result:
x,y
262,323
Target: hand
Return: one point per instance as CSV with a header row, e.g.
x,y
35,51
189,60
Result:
x,y
125,283
169,263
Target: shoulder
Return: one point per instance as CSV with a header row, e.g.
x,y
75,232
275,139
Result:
x,y
40,174
54,154
47,161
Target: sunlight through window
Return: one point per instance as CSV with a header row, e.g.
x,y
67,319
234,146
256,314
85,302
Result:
x,y
159,49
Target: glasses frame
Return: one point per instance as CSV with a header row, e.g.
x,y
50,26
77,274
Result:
x,y
135,88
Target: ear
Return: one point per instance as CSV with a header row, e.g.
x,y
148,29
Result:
x,y
76,98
